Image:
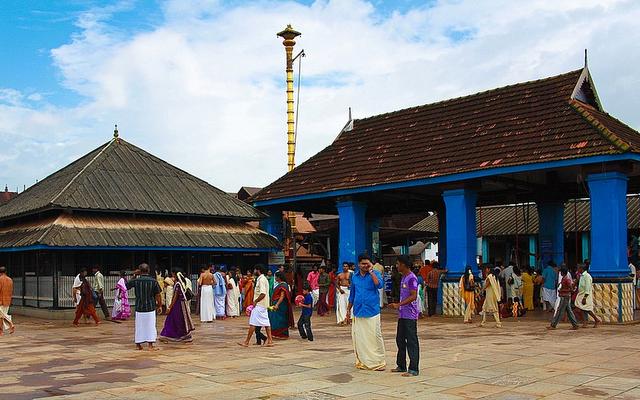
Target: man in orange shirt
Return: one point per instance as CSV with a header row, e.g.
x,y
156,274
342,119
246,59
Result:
x,y
425,269
6,292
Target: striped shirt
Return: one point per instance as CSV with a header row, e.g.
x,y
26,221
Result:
x,y
146,289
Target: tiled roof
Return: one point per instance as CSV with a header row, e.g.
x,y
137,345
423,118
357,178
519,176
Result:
x,y
501,220
125,231
525,123
119,176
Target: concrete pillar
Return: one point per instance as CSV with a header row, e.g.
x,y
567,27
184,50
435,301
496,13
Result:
x,y
533,247
586,246
551,236
442,237
460,219
352,230
613,289
608,224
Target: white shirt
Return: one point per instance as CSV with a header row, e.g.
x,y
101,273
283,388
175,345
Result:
x,y
76,285
633,270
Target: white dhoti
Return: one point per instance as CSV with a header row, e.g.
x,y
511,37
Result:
x,y
207,310
259,317
146,331
6,318
341,304
368,343
588,306
315,293
421,306
219,302
383,297
233,302
549,295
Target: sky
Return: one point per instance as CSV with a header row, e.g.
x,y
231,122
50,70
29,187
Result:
x,y
200,83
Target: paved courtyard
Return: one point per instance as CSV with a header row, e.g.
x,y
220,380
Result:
x,y
521,361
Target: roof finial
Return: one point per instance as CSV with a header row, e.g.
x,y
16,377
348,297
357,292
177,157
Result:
x,y
6,188
115,132
586,60
350,114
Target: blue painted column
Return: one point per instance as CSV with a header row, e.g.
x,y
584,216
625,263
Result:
x,y
352,232
533,247
485,250
586,246
442,237
551,234
273,225
608,224
460,219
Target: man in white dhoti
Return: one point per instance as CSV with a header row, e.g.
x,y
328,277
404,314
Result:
x,y
366,332
261,301
343,282
148,301
312,278
207,308
220,293
233,295
584,298
549,287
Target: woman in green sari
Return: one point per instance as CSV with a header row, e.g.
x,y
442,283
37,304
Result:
x,y
281,311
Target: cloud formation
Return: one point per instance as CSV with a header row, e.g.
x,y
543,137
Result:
x,y
204,87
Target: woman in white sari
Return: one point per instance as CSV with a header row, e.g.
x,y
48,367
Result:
x,y
233,295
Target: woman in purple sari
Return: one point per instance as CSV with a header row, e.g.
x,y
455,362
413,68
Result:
x,y
178,325
121,308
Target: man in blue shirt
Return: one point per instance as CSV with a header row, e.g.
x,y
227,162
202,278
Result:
x,y
366,332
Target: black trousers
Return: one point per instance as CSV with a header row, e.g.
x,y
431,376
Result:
x,y
103,305
260,337
407,342
304,327
432,299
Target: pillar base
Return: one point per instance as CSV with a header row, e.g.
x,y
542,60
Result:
x,y
613,300
452,303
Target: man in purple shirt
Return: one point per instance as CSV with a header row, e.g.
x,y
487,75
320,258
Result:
x,y
407,333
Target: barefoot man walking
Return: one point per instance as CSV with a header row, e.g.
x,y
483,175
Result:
x,y
6,292
260,315
343,284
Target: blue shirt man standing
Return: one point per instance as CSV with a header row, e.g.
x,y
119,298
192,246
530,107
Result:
x,y
366,332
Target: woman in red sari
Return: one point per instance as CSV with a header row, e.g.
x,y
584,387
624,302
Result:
x,y
247,289
281,310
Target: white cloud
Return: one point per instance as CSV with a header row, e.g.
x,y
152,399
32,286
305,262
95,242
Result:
x,y
204,89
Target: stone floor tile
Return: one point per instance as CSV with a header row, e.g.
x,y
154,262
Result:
x,y
475,390
541,388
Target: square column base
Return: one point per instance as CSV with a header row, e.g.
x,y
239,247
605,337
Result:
x,y
452,302
613,301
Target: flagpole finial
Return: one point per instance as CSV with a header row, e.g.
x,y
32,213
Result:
x,y
586,59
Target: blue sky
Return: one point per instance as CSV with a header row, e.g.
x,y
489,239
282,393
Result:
x,y
200,84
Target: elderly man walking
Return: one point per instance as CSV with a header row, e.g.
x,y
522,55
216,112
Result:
x,y
6,292
366,332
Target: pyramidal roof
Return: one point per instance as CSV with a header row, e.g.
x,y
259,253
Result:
x,y
550,119
119,176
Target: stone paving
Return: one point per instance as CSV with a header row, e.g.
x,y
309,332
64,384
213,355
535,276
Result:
x,y
520,361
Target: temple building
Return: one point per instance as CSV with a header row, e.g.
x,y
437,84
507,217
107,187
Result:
x,y
116,207
546,142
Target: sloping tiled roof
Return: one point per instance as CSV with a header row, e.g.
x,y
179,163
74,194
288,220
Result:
x,y
501,220
119,176
125,231
525,123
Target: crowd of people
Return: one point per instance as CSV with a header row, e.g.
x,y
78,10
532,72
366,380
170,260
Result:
x,y
357,294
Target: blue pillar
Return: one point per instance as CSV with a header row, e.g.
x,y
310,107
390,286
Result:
x,y
273,224
551,236
352,230
460,216
608,224
586,245
442,237
485,250
533,247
